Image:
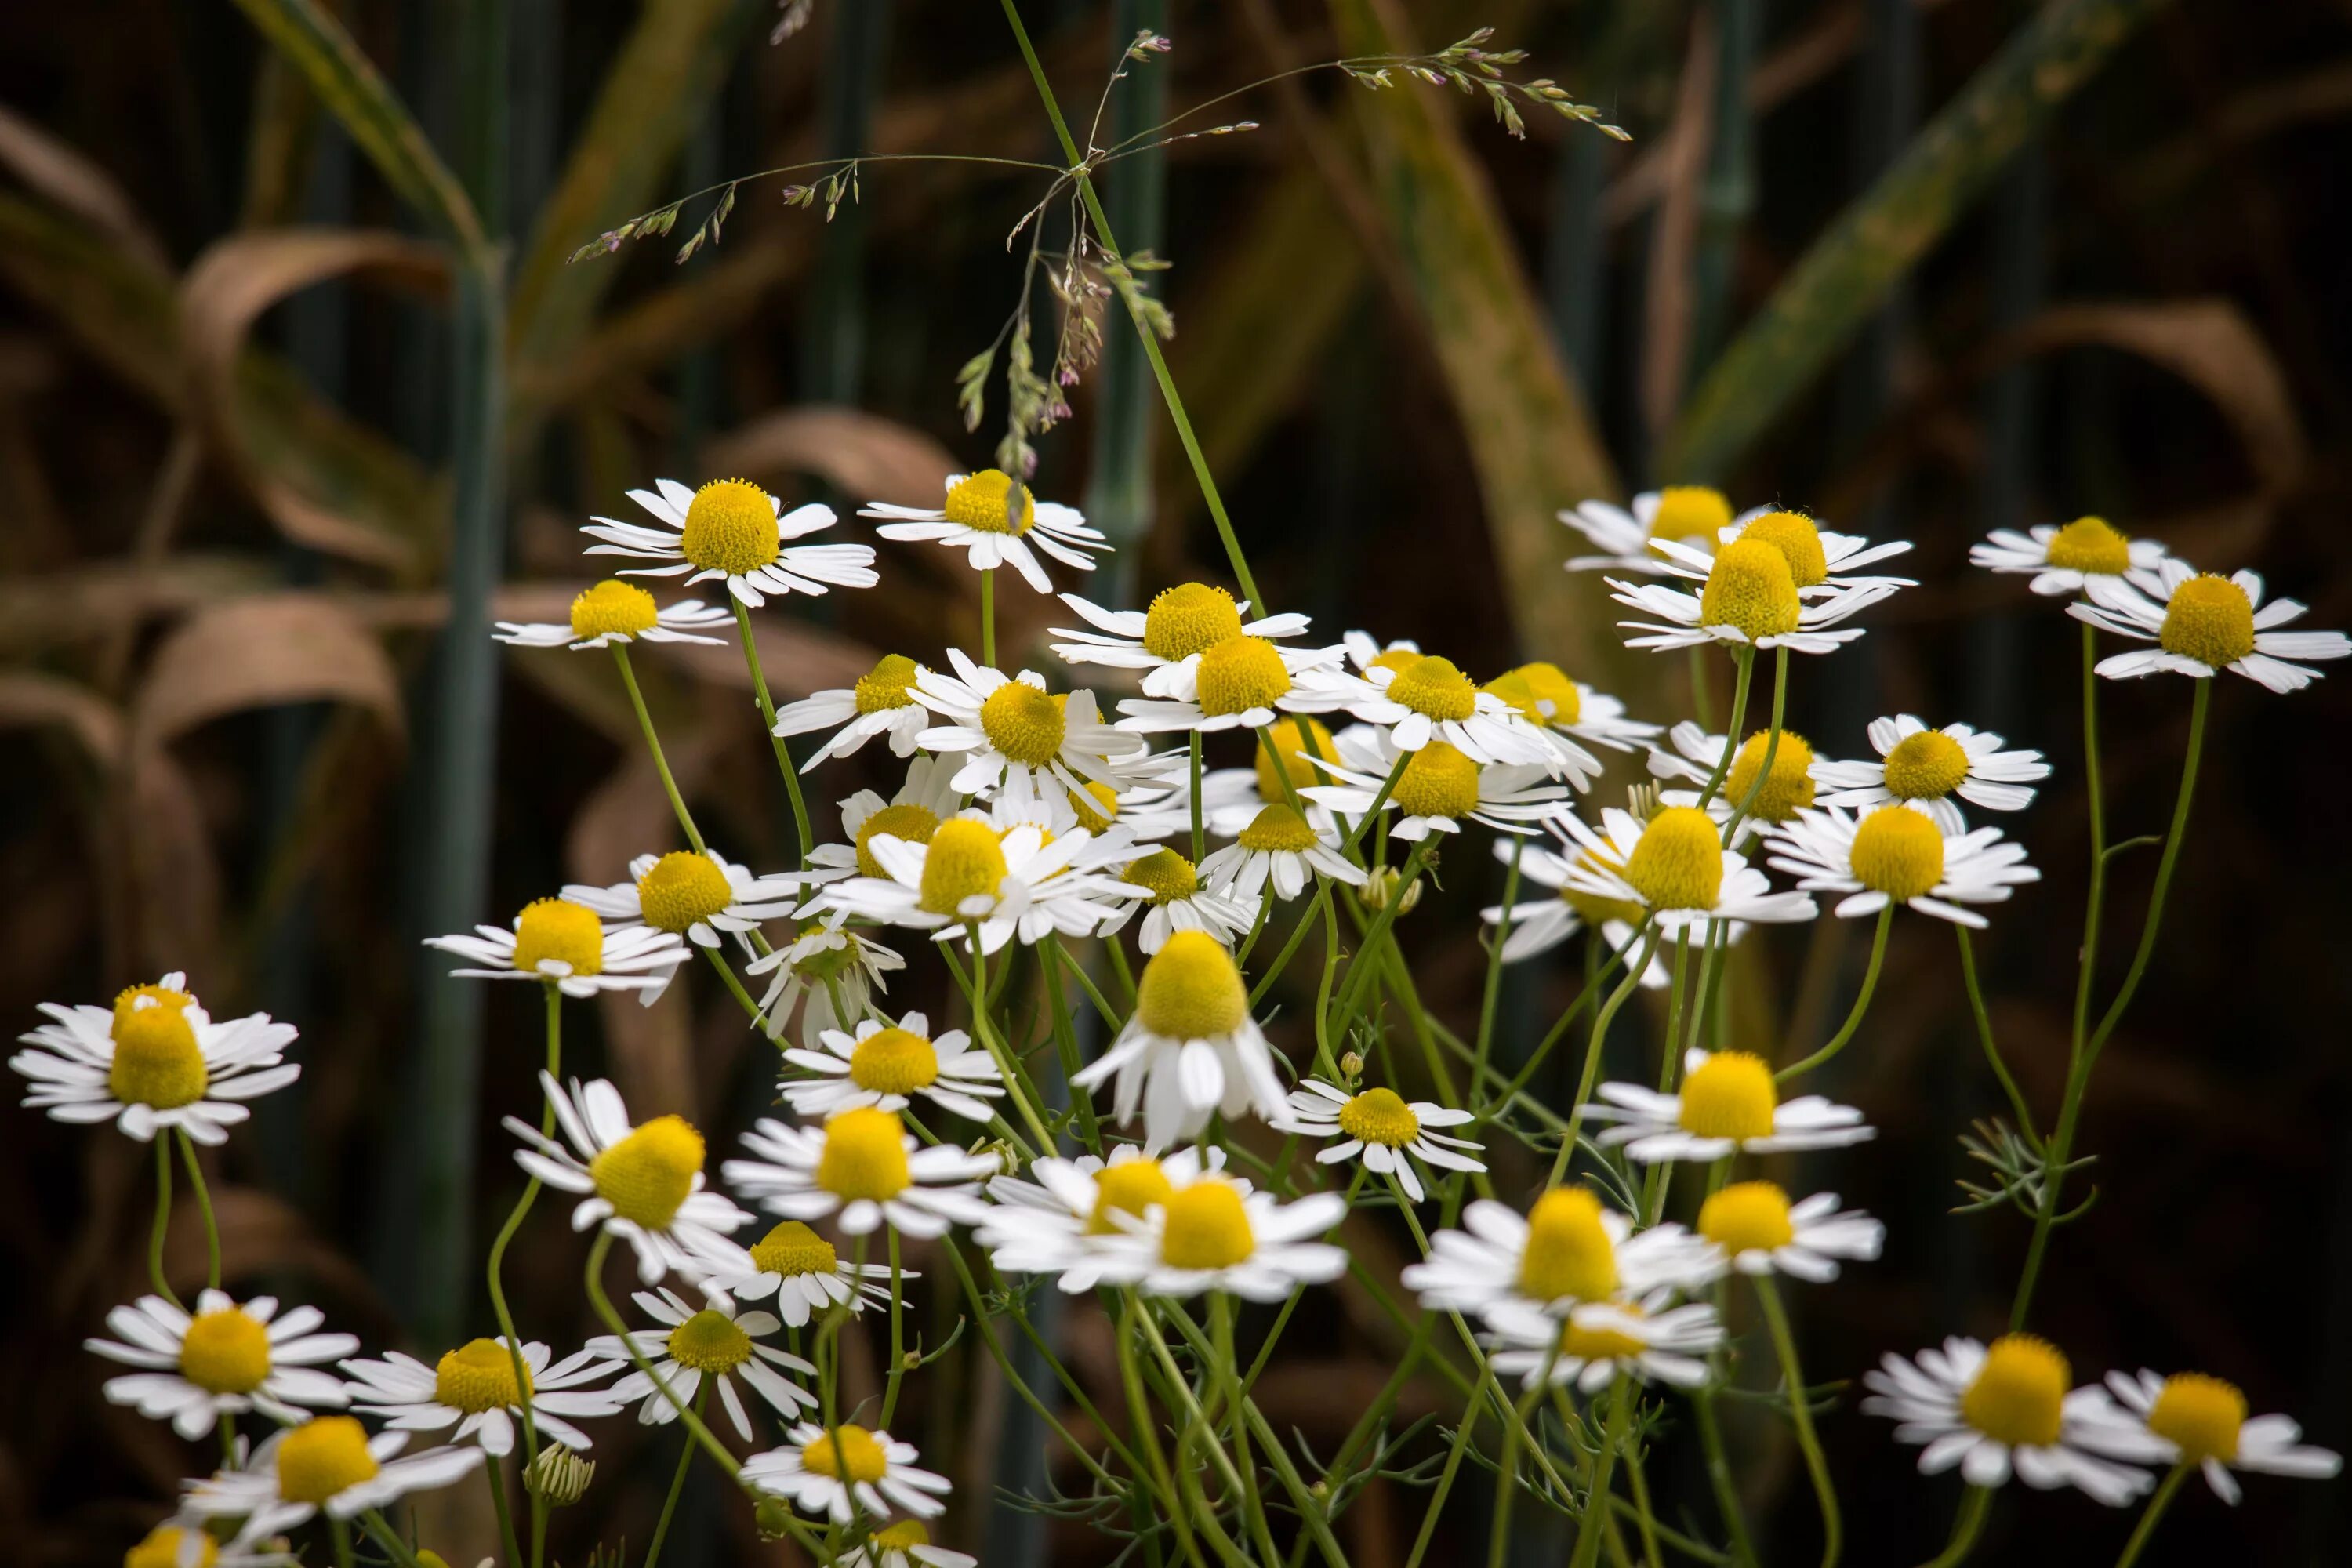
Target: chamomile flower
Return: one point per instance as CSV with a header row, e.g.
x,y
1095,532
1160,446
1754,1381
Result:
x,y
564,940
1999,1410
224,1359
1232,798
1822,561
1190,1046
1674,870
1281,847
906,1544
720,1344
1694,755
1181,624
888,1066
881,704
996,522
1215,1233
1923,768
2202,624
154,1061
1382,1128
2190,1418
171,1545
2066,560
696,894
1893,854
1441,787
835,1471
838,970
806,1274
866,1164
1756,1230
327,1462
1430,702
1539,925
1688,514
1240,683
1747,597
1174,897
641,1183
972,877
732,532
1570,1247
1010,730
1597,1342
617,612
1728,1105
1058,1222
927,798
1568,711
1143,808
473,1390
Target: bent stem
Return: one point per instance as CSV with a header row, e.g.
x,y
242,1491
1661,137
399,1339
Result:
x,y
1860,1002
1984,1033
1800,1415
1772,744
163,1223
204,1207
1633,972
1967,1525
768,712
2153,1514
653,745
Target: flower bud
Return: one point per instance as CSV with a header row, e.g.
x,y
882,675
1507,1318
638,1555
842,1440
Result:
x,y
558,1476
772,1519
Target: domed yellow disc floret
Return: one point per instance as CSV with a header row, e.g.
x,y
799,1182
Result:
x,y
1678,863
1592,908
894,1061
2018,1395
1928,765
1433,687
1399,660
709,1342
322,1457
1169,874
2202,1416
1540,691
990,502
865,1155
730,527
1437,781
2091,544
1747,1217
1730,1095
1189,618
2210,620
1294,735
915,824
1750,587
792,1249
1191,990
1789,790
648,1175
904,1535
1898,852
846,1448
681,889
157,1060
612,608
965,860
1022,723
1129,1187
174,1546
225,1352
478,1375
889,684
1792,533
1601,1342
1690,512
139,998
1206,1227
1278,828
1239,674
1380,1116
1568,1255
560,930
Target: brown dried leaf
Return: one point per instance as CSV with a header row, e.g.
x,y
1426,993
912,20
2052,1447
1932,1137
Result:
x,y
258,652
27,698
63,175
864,456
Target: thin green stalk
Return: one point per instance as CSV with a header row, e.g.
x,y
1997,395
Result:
x,y
494,1472
1200,836
1743,661
975,982
2153,1514
204,1207
163,1222
1720,1478
742,997
898,1328
1453,1464
1596,1508
339,1536
1644,1516
1800,1415
1984,1033
677,1480
1306,923
1633,972
1371,812
1861,1001
1144,1427
1772,744
988,617
653,745
1221,1327
495,1269
1591,992
1967,1525
767,714
1702,699
379,1527
1507,1466
1490,997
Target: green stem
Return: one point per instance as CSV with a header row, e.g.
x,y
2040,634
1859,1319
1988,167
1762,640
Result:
x,y
163,1222
2153,1515
1984,1033
897,1330
1743,659
653,745
204,1207
1719,1477
594,1278
988,617
1633,969
497,1265
1220,1326
494,1472
1200,836
1507,1466
1008,1067
1489,998
339,1536
1371,814
677,1481
1861,1001
1453,1464
1800,1415
743,998
1596,1507
377,1526
1967,1525
768,713
1772,744
1145,1428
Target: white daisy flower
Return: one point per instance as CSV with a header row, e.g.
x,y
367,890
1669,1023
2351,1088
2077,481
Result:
x,y
1687,514
1181,624
1174,897
1568,711
997,522
1756,1230
327,1462
1597,1342
171,1545
822,963
1013,729
1431,701
1748,597
732,532
1728,1105
153,1061
2202,623
971,877
1439,788
835,1471
720,1343
226,1360
642,1183
1280,846
888,1066
564,940
1822,561
1570,1247
927,798
2066,560
1539,925
473,1389
865,1163
881,704
1240,683
1232,798
1141,807
1674,870
1694,755
1893,854
692,895
617,612
1380,1128
1215,1233
1058,1223
1922,768
1190,1048
807,1276
2190,1418
906,1544
1998,1410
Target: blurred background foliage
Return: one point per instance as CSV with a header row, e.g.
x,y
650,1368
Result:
x,y
297,391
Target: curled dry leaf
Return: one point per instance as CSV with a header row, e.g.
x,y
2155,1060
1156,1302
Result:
x,y
861,455
260,652
63,175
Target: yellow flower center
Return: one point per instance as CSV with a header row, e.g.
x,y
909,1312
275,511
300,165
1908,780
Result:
x,y
2091,544
1543,692
850,1449
1690,512
1189,618
1399,660
1380,1116
865,1155
2210,620
1294,735
1097,807
1206,1227
1278,828
894,1061
138,998
157,1061
1898,852
1191,990
323,1457
730,527
1433,687
648,1175
681,888
905,1533
1168,874
2201,1415
1568,1254
965,860
1792,533
2018,1395
915,824
1730,1095
225,1352
1594,909
888,685
1604,1344
1677,863
990,502
1022,723
1788,790
792,1249
612,608
1437,781
1751,588
1747,1217
478,1375
166,1544
709,1342
560,930
1239,674
1928,765
1128,1188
